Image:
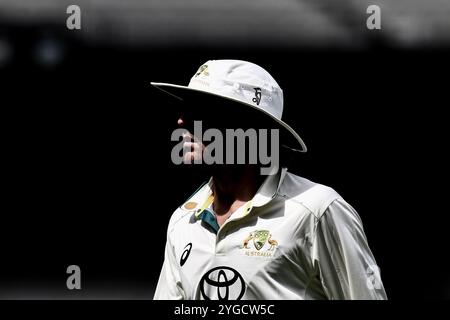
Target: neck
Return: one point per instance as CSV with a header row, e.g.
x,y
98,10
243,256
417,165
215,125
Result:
x,y
233,186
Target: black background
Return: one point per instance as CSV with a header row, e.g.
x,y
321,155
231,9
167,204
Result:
x,y
87,177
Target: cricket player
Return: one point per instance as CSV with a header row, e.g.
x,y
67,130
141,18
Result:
x,y
249,233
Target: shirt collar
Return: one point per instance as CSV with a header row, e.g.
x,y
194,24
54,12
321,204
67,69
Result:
x,y
269,188
266,192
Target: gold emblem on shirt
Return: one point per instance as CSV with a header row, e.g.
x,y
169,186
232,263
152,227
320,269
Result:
x,y
261,239
190,205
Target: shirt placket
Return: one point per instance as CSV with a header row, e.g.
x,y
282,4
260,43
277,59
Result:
x,y
224,229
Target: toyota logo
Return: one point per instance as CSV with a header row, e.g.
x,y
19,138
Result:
x,y
223,278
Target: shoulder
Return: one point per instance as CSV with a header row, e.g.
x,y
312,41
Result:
x,y
313,196
179,217
184,214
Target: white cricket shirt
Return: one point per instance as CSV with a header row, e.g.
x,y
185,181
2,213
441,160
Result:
x,y
295,239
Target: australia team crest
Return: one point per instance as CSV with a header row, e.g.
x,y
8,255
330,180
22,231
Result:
x,y
259,243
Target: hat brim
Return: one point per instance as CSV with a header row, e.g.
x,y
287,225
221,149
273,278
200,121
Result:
x,y
186,94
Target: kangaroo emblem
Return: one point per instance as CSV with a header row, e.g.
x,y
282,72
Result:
x,y
273,243
246,240
260,238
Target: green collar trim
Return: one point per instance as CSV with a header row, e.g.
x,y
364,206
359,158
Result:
x,y
207,217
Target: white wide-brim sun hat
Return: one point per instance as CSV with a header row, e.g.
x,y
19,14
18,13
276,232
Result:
x,y
243,83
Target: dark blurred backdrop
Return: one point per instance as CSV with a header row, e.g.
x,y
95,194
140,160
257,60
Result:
x,y
86,176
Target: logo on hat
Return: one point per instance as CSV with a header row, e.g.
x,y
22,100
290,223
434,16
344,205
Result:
x,y
203,69
257,97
